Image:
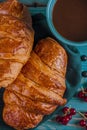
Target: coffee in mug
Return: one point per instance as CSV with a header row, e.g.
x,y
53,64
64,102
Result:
x,y
70,19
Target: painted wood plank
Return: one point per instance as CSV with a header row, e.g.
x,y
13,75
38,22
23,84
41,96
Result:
x,y
34,11
35,1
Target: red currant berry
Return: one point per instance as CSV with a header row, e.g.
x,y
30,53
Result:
x,y
85,114
61,119
85,98
69,116
65,109
65,120
86,127
58,118
72,111
81,94
82,123
85,89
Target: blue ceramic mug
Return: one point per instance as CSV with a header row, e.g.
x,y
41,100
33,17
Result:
x,y
49,14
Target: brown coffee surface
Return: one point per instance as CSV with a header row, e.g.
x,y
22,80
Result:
x,y
70,19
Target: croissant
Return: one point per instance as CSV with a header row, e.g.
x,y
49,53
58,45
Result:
x,y
16,9
39,88
16,40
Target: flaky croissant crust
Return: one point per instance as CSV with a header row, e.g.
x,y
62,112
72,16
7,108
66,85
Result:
x,y
39,88
16,40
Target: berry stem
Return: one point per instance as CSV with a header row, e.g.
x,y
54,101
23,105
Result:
x,y
82,115
69,108
83,91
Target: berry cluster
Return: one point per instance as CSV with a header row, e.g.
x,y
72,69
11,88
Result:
x,y
83,94
68,113
83,122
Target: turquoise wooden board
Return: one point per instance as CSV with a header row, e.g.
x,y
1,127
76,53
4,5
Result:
x,y
34,1
74,102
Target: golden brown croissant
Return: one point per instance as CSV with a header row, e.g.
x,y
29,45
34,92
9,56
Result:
x,y
16,9
39,88
16,40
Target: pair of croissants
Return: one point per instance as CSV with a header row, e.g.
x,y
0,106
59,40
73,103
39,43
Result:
x,y
34,80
